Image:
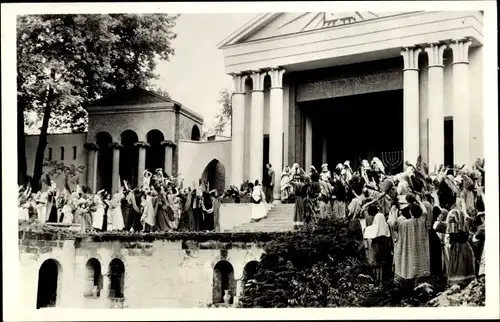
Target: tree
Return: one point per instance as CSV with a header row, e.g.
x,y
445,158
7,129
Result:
x,y
68,61
224,114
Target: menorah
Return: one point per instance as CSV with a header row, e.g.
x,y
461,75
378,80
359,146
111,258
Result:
x,y
392,160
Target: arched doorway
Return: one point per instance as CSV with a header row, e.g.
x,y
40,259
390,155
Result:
x,y
195,133
155,154
48,284
215,175
116,278
93,278
129,158
223,280
104,161
249,272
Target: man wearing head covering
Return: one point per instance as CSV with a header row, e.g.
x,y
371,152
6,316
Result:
x,y
379,246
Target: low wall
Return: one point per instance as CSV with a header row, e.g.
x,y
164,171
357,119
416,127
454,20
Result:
x,y
235,214
158,273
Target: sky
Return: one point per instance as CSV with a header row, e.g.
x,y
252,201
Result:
x,y
195,75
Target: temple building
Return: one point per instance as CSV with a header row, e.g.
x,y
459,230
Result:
x,y
309,88
314,88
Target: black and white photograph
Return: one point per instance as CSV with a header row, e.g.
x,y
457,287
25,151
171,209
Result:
x,y
250,156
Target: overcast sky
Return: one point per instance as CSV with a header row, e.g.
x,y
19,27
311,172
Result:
x,y
195,74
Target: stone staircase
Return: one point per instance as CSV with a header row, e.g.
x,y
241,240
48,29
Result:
x,y
279,218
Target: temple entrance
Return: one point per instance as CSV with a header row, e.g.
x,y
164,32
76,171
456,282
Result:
x,y
357,127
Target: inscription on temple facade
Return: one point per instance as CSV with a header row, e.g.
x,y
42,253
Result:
x,y
351,85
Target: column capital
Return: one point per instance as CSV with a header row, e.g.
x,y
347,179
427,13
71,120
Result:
x,y
142,144
410,57
276,74
91,146
168,143
258,80
460,48
115,145
435,52
239,82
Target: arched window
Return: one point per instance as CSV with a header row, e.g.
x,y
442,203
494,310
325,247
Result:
x,y
215,175
195,133
93,282
129,158
116,278
223,282
155,154
104,161
49,277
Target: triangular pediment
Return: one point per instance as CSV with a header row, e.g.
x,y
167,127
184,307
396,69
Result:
x,y
269,25
133,96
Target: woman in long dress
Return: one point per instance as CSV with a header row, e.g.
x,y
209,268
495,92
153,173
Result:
x,y
149,210
134,216
285,186
298,210
164,213
174,203
411,251
98,213
115,211
24,203
208,212
339,196
379,247
459,257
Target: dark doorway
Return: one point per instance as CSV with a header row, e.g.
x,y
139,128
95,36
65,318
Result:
x,y
448,142
195,133
116,278
48,277
223,281
265,155
129,158
215,175
93,283
155,154
104,161
356,127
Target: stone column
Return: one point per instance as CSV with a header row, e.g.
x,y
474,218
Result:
x,y
411,135
169,156
461,124
91,165
257,127
436,104
115,177
238,130
104,294
276,127
142,161
308,143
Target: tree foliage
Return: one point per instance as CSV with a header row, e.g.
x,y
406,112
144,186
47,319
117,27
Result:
x,y
68,61
224,114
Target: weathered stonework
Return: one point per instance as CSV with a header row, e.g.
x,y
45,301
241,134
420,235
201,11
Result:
x,y
158,273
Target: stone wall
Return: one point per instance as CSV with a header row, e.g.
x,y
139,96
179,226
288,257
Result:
x,y
158,273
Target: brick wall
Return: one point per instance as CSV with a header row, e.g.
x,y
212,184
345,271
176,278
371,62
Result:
x,y
158,274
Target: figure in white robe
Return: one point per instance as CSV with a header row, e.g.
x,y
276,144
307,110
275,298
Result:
x,y
115,215
98,214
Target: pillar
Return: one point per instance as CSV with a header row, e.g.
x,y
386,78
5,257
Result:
x,y
91,165
104,294
115,177
461,124
238,130
308,143
276,127
169,156
411,131
435,52
257,127
142,161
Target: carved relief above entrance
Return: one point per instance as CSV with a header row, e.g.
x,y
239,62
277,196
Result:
x,y
347,85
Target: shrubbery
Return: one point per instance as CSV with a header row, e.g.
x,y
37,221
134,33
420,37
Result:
x,y
326,267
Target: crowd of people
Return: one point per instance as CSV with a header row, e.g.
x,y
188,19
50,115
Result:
x,y
161,204
414,224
